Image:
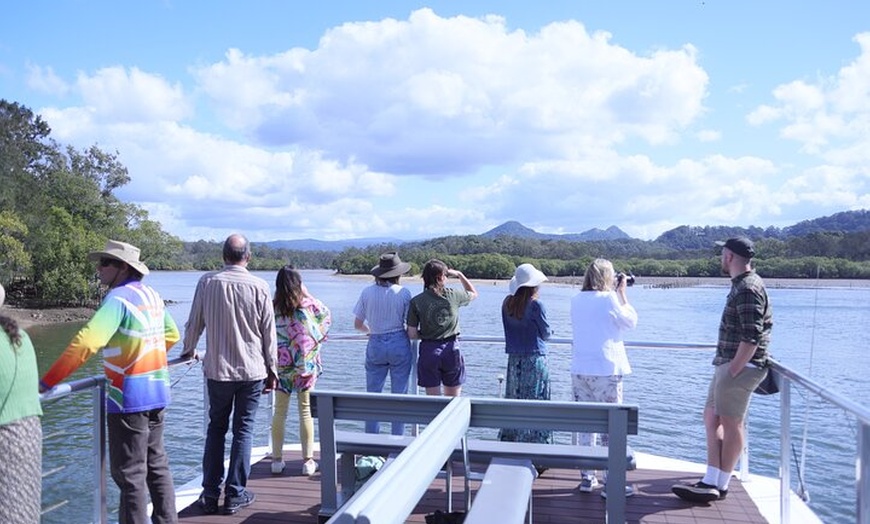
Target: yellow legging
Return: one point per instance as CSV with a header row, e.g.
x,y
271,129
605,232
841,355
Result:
x,y
306,425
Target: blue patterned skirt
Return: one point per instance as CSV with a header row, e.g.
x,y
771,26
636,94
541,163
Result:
x,y
528,377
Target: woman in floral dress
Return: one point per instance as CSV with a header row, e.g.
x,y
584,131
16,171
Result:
x,y
302,323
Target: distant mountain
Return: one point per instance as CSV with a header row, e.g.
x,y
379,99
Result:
x,y
309,244
845,222
695,237
513,228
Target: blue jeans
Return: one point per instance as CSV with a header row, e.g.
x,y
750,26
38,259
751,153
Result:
x,y
241,399
388,352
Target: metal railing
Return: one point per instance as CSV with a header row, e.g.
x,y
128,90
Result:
x,y
789,377
97,385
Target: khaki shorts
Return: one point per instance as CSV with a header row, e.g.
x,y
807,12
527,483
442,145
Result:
x,y
729,397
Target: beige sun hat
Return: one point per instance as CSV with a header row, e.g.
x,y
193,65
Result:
x,y
122,251
526,275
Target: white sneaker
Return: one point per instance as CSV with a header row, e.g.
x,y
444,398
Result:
x,y
277,467
587,484
309,467
629,491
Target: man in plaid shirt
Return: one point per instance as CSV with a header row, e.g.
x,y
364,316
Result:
x,y
741,356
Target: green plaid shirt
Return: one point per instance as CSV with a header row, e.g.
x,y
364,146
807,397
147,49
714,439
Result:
x,y
746,318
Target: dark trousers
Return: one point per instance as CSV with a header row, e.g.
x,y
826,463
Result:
x,y
241,399
140,467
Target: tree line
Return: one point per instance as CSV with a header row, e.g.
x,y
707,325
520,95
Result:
x,y
58,203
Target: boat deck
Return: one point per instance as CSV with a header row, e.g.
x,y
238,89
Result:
x,y
294,498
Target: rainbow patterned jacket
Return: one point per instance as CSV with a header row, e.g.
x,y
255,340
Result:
x,y
134,331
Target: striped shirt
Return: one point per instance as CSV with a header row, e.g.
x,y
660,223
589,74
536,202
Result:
x,y
134,330
383,308
235,309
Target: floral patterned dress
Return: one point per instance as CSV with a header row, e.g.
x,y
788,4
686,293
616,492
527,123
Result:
x,y
299,338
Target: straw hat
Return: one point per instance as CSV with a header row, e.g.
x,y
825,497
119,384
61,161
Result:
x,y
526,275
122,251
390,265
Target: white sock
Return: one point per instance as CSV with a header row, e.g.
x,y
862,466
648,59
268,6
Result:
x,y
724,479
712,476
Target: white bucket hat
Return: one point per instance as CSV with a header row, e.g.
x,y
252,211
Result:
x,y
122,251
526,275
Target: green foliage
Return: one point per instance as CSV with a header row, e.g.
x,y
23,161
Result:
x,y
13,256
57,204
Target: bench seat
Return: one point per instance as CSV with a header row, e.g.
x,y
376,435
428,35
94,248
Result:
x,y
505,493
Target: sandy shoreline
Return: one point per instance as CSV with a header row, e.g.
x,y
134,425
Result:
x,y
30,317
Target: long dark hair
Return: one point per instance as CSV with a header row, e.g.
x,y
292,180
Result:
x,y
288,291
10,327
431,271
516,304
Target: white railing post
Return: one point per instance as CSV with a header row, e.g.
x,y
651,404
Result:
x,y
99,447
784,450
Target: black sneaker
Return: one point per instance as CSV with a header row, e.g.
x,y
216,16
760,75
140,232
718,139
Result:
x,y
232,505
208,505
697,492
722,494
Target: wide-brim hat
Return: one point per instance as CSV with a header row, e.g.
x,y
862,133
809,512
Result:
x,y
526,275
739,245
127,253
390,265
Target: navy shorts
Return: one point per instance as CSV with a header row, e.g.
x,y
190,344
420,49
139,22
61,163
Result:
x,y
440,362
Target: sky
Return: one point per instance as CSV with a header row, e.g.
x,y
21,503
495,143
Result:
x,y
334,120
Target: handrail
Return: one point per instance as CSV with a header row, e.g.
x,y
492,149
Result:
x,y
413,469
98,384
556,340
789,376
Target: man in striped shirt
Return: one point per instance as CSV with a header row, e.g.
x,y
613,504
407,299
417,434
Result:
x,y
134,331
234,308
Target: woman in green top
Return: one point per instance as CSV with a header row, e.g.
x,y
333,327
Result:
x,y
20,429
433,317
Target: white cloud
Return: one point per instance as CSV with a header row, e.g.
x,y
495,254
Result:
x,y
115,94
709,135
828,115
445,95
44,80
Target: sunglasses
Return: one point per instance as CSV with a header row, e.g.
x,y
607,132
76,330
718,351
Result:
x,y
106,262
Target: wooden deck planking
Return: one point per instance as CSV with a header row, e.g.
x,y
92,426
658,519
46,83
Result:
x,y
294,498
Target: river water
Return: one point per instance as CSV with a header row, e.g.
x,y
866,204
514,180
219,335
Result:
x,y
820,332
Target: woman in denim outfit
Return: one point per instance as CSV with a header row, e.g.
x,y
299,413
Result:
x,y
380,313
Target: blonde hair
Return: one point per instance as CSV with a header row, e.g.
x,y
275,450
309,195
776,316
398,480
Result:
x,y
599,276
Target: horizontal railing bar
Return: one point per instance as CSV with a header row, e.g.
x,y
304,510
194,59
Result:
x,y
53,507
558,341
835,398
52,471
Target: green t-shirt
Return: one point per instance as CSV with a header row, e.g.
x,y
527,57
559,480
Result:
x,y
19,380
436,316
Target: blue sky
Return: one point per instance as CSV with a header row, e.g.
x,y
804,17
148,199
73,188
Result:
x,y
348,119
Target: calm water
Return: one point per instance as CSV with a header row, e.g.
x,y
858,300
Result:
x,y
820,333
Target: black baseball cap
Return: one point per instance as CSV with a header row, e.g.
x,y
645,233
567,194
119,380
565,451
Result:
x,y
739,245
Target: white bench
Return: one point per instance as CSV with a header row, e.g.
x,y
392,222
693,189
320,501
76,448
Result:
x,y
617,420
505,493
